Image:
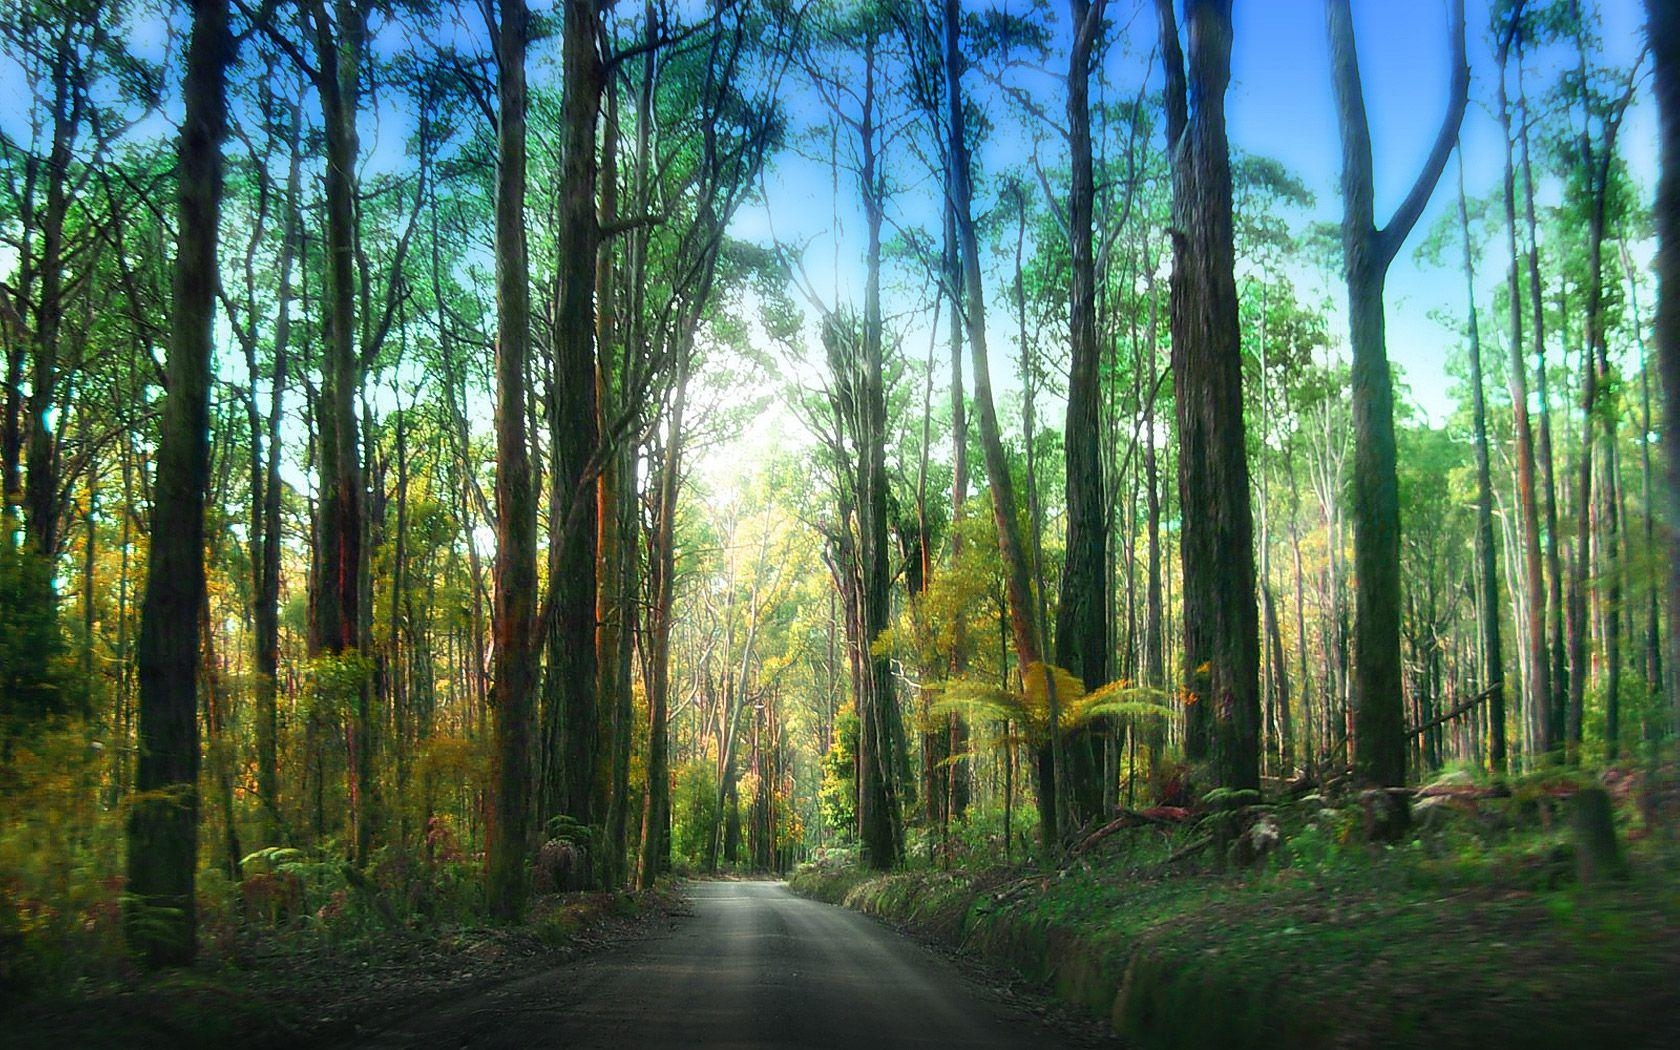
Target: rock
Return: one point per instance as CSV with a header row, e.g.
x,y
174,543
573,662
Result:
x,y
1386,814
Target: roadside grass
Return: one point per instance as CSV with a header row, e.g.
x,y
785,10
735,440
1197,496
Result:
x,y
1474,931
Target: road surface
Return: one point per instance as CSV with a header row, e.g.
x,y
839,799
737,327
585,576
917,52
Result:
x,y
754,966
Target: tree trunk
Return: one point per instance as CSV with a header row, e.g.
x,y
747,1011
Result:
x,y
1154,634
656,803
514,663
1493,663
1221,621
41,481
1556,702
159,908
574,775
1380,731
1664,35
879,739
336,605
1082,627
957,789
1534,608
1023,620
1595,378
617,488
265,604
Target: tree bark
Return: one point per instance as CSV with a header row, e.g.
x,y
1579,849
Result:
x,y
573,775
1082,613
514,663
1221,620
159,908
1379,714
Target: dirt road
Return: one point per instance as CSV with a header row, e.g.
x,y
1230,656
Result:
x,y
753,966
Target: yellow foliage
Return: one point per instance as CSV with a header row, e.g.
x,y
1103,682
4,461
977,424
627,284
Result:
x,y
453,760
978,701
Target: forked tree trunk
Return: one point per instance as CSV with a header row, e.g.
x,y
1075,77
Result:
x,y
1379,713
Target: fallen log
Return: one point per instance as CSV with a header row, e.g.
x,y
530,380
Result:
x,y
1161,816
1469,705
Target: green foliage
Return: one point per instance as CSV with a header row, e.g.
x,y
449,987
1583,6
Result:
x,y
60,862
1029,707
335,680
694,812
837,794
31,688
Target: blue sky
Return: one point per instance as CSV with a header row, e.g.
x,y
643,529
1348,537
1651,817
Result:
x,y
1280,105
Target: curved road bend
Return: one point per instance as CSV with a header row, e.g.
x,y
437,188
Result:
x,y
755,966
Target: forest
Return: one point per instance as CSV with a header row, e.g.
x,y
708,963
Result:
x,y
1194,471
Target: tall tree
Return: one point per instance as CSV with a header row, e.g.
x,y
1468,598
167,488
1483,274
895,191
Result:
x,y
1082,613
1221,619
1534,605
879,819
335,608
1024,625
1596,155
160,913
514,663
1493,664
574,775
1663,31
1367,252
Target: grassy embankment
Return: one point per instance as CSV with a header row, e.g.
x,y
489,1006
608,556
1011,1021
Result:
x,y
1478,930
